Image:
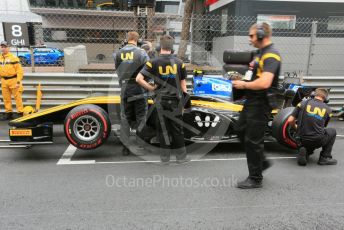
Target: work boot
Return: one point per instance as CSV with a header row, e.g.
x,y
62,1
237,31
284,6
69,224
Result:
x,y
125,151
165,159
302,157
6,116
164,162
327,161
140,151
249,183
183,161
266,164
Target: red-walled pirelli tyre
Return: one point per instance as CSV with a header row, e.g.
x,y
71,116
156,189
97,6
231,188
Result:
x,y
87,127
282,131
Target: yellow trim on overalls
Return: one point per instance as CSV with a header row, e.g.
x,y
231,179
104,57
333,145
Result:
x,y
262,59
149,64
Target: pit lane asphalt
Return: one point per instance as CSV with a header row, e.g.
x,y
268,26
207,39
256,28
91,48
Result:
x,y
36,193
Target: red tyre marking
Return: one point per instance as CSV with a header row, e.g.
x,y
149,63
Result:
x,y
80,113
101,117
68,134
287,139
88,146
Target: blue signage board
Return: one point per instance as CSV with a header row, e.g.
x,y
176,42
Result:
x,y
212,86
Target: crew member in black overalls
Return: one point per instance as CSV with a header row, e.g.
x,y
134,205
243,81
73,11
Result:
x,y
312,117
169,74
259,102
128,62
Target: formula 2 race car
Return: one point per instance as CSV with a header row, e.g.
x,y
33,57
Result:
x,y
215,109
211,119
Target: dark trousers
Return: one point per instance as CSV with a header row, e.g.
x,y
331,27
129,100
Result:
x,y
326,142
251,128
169,129
132,114
135,111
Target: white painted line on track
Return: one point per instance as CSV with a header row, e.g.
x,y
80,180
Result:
x,y
67,156
87,162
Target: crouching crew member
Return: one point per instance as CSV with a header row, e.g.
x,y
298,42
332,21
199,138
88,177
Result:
x,y
312,116
128,62
169,74
11,73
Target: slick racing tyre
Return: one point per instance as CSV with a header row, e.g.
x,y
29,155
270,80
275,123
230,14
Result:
x,y
282,131
87,127
237,57
236,67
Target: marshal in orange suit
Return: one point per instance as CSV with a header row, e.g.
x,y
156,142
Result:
x,y
11,73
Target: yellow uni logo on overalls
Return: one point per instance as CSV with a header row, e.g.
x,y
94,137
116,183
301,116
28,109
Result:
x,y
128,56
169,70
316,111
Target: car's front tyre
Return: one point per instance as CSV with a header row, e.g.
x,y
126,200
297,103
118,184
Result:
x,y
87,127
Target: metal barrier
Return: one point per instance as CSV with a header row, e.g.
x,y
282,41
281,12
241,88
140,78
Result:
x,y
61,88
335,83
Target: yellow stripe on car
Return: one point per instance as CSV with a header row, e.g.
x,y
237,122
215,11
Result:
x,y
116,100
91,100
213,105
217,105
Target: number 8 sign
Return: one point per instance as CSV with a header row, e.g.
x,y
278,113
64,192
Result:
x,y
17,31
16,34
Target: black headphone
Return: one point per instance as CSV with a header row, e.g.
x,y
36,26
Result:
x,y
260,32
326,100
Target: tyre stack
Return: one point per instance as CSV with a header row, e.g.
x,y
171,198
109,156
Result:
x,y
236,60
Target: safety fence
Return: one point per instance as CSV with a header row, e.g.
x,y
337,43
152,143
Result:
x,y
312,45
60,88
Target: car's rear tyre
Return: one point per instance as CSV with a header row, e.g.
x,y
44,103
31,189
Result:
x,y
87,127
23,61
282,130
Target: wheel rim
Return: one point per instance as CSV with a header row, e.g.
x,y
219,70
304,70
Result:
x,y
86,128
291,132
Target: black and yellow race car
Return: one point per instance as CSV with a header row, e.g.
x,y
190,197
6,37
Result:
x,y
210,119
88,122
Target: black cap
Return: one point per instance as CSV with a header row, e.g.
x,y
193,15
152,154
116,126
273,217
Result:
x,y
4,43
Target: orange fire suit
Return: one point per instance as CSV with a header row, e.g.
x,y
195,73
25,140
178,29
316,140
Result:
x,y
11,73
